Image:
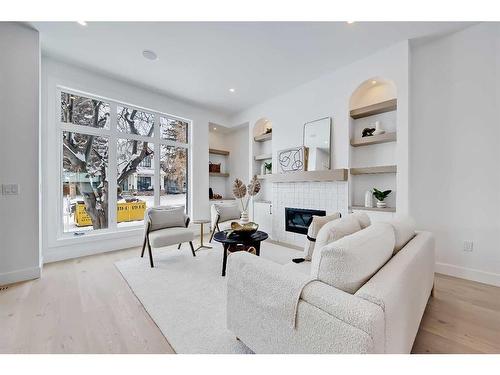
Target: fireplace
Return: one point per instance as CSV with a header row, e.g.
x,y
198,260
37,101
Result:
x,y
297,220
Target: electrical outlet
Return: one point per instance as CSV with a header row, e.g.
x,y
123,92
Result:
x,y
468,246
10,189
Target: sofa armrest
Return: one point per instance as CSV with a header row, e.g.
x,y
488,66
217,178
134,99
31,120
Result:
x,y
351,309
327,320
272,290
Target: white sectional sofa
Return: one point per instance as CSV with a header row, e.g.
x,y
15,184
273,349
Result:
x,y
363,293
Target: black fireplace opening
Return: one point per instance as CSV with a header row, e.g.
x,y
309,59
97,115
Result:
x,y
297,220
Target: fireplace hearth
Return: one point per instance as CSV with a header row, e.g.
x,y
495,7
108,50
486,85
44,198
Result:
x,y
297,220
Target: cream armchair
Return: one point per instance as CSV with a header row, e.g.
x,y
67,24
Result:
x,y
166,226
222,215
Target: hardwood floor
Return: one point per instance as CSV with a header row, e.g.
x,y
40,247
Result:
x,y
85,306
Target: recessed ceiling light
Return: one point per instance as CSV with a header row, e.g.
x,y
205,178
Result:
x,y
374,82
232,90
83,23
150,55
215,128
350,22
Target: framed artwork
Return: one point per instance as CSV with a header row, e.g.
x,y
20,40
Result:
x,y
292,159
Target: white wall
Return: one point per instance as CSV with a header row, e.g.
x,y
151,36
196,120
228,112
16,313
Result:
x,y
455,131
329,96
56,73
19,127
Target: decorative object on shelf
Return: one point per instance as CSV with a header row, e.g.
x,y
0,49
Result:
x,y
380,196
378,129
317,136
293,159
214,167
240,191
217,196
268,167
367,132
369,199
210,193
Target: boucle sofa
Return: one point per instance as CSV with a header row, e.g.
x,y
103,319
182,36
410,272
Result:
x,y
363,293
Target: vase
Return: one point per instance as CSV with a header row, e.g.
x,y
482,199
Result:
x,y
381,204
368,199
244,217
378,128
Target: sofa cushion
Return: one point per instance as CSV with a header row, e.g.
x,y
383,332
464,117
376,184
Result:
x,y
228,211
350,262
303,267
335,230
404,231
363,219
312,232
170,236
166,217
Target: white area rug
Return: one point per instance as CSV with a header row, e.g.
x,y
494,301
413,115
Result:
x,y
186,295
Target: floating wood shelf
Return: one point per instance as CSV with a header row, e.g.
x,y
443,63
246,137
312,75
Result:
x,y
263,176
263,157
263,137
212,174
374,170
218,152
363,208
375,109
374,139
311,176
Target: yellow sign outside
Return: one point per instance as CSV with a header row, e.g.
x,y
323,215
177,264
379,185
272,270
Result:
x,y
131,211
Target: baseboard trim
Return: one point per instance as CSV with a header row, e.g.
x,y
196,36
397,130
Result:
x,y
285,244
468,273
20,275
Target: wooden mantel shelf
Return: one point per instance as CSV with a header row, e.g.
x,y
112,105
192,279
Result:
x,y
374,170
310,176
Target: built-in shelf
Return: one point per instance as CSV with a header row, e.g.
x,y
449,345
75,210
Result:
x,y
222,199
263,137
378,209
263,157
212,174
374,139
375,109
374,170
263,176
217,152
310,176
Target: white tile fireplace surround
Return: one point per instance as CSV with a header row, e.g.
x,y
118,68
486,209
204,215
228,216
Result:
x,y
329,196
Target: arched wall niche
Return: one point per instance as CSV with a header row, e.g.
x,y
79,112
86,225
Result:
x,y
371,91
261,126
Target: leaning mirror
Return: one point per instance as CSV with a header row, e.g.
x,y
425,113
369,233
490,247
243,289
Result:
x,y
317,139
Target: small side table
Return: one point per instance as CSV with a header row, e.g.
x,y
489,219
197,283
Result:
x,y
202,222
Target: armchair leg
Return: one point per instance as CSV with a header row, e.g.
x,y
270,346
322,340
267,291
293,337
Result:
x,y
212,235
143,246
150,255
178,247
192,248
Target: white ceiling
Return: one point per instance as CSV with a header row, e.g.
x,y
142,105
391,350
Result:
x,y
199,62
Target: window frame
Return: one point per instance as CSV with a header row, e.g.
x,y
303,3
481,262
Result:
x,y
113,134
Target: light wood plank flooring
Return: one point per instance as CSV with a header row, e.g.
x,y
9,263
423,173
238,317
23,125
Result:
x,y
85,306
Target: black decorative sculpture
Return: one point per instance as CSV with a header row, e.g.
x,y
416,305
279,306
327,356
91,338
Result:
x,y
367,132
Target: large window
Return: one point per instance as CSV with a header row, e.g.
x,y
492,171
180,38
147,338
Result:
x,y
108,147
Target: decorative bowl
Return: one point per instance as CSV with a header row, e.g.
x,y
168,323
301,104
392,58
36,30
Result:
x,y
246,229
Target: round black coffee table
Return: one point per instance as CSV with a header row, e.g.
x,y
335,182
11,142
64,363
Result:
x,y
237,239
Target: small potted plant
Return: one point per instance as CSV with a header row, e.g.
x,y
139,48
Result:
x,y
268,167
380,196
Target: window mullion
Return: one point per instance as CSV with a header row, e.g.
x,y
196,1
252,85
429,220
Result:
x,y
112,169
156,160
